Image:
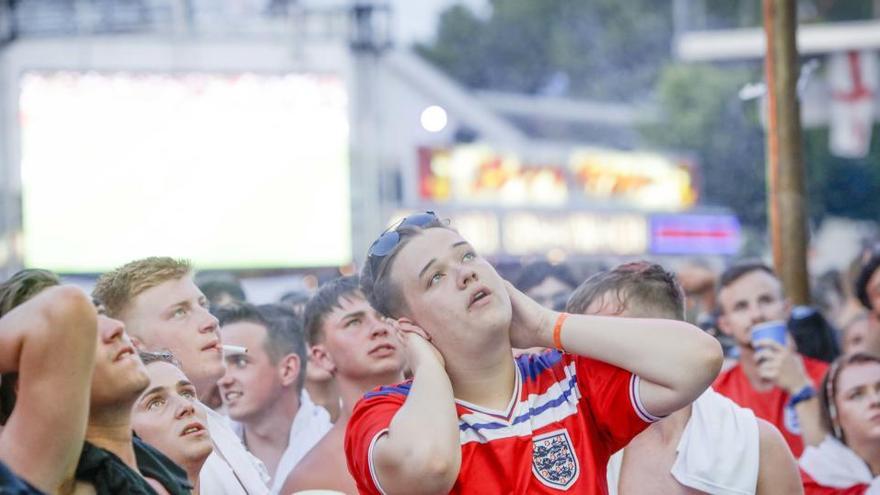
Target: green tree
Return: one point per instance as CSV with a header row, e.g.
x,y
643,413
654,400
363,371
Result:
x,y
607,49
841,186
701,113
620,50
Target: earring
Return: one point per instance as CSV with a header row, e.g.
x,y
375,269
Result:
x,y
832,412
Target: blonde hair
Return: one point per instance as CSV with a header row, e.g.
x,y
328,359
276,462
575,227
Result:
x,y
116,289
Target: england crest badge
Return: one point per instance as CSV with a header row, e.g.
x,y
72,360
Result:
x,y
553,460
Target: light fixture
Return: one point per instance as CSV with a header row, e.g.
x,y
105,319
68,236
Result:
x,y
434,118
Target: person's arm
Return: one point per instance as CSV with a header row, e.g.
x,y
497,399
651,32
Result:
x,y
421,452
778,470
674,360
50,340
785,368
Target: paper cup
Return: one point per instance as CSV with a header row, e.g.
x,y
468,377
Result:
x,y
773,330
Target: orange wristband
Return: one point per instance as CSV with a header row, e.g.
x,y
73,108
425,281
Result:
x,y
557,330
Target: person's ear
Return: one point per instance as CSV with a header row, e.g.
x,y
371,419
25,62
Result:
x,y
320,357
289,369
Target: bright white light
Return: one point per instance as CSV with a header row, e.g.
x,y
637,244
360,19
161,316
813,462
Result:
x,y
434,118
190,165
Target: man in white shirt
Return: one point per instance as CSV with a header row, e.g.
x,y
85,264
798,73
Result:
x,y
263,386
163,309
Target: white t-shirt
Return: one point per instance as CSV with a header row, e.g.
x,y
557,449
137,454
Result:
x,y
718,451
309,426
230,469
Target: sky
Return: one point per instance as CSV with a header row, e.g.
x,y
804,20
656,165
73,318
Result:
x,y
416,20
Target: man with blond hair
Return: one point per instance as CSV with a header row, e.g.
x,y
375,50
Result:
x,y
164,310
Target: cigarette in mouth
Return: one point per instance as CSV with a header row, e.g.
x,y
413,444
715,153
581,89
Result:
x,y
234,349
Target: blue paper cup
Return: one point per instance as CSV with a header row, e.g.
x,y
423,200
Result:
x,y
773,330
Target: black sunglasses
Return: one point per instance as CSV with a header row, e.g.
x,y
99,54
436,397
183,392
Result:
x,y
381,247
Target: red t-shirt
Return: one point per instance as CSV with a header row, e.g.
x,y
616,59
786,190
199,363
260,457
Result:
x,y
567,416
811,487
770,405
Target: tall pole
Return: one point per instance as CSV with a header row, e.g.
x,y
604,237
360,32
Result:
x,y
786,198
367,44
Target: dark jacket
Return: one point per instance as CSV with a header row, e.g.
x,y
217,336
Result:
x,y
110,476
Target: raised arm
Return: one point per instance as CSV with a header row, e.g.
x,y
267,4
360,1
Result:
x,y
50,341
675,361
421,452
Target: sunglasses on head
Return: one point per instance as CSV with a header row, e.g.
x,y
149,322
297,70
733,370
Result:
x,y
381,247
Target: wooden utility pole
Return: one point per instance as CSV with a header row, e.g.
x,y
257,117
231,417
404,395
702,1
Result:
x,y
786,197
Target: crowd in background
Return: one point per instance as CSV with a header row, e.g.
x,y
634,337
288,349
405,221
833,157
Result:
x,y
165,381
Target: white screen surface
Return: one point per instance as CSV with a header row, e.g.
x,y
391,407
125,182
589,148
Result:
x,y
228,170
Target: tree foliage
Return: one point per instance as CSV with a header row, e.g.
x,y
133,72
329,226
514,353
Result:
x,y
701,113
604,49
620,51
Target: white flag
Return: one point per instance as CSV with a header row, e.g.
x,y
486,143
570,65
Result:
x,y
853,80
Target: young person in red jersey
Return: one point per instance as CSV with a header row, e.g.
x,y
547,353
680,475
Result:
x,y
473,419
771,379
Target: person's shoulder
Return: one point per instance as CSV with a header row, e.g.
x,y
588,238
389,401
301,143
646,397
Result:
x,y
333,442
726,377
399,391
323,464
533,365
770,436
778,469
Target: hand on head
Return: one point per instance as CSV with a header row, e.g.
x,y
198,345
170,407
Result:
x,y
531,324
416,344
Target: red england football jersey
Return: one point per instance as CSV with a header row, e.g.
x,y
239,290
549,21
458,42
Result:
x,y
770,405
568,414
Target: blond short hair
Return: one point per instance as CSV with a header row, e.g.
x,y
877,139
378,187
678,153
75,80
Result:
x,y
116,289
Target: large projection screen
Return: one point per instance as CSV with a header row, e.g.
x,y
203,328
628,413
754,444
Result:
x,y
228,170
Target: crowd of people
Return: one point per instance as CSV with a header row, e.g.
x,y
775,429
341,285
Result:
x,y
430,373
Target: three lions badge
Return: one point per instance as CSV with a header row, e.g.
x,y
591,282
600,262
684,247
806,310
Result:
x,y
553,460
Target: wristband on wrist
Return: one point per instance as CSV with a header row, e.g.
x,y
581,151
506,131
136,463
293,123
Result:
x,y
807,392
557,331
